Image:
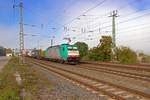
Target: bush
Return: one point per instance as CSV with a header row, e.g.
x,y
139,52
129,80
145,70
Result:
x,y
126,56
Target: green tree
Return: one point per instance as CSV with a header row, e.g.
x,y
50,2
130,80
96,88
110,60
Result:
x,y
125,55
105,47
83,48
103,51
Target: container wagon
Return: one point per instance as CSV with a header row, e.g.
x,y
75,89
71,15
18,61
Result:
x,y
2,51
63,53
35,53
41,54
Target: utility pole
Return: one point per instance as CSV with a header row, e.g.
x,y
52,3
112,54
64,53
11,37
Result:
x,y
21,33
51,42
114,14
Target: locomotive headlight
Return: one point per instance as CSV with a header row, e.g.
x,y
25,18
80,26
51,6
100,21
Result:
x,y
73,53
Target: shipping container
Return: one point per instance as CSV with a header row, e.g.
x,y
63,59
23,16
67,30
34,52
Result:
x,y
41,54
53,52
35,53
2,51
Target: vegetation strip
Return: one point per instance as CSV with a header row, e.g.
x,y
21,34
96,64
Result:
x,y
32,82
9,90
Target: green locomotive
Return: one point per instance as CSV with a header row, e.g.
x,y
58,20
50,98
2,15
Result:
x,y
63,53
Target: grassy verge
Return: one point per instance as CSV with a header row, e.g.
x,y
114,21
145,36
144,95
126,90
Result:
x,y
32,82
9,90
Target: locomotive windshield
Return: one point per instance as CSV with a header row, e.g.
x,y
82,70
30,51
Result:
x,y
72,48
73,51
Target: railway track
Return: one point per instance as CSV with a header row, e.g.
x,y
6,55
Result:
x,y
115,72
131,67
98,86
145,64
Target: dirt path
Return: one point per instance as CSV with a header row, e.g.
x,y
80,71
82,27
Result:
x,y
3,61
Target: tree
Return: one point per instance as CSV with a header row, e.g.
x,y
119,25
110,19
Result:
x,y
105,47
83,48
125,55
103,51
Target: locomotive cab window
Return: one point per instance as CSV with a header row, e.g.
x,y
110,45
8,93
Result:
x,y
72,48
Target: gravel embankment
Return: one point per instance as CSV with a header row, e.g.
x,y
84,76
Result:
x,y
65,90
119,80
143,72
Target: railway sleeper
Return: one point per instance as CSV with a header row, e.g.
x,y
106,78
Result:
x,y
63,73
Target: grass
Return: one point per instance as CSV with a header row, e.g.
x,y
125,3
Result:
x,y
32,81
9,90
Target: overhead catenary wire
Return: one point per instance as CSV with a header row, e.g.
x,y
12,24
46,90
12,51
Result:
x,y
124,21
137,11
131,29
88,10
39,14
120,8
133,35
124,6
119,23
141,39
134,28
71,3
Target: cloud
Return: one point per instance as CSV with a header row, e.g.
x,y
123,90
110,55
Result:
x,y
9,36
133,34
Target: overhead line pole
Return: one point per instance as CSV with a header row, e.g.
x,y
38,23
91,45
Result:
x,y
21,34
51,42
113,15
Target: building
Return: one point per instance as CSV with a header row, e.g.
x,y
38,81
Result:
x,y
9,52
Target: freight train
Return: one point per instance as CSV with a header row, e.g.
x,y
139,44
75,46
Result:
x,y
62,53
2,51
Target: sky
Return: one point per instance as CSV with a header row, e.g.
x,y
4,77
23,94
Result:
x,y
79,20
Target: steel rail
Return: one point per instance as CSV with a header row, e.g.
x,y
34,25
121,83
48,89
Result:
x,y
81,82
133,91
115,72
132,67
